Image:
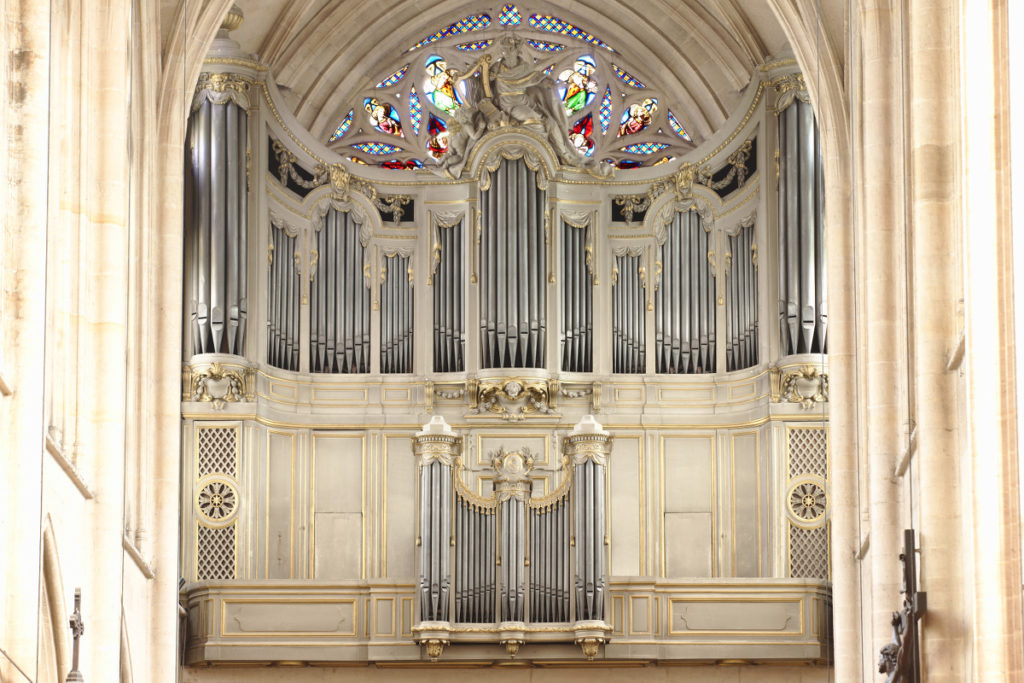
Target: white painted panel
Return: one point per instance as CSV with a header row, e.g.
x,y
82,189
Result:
x,y
687,544
624,481
280,540
338,472
400,514
688,474
339,545
745,504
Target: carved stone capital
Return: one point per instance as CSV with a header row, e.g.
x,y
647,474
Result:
x,y
515,398
512,474
806,386
218,383
588,441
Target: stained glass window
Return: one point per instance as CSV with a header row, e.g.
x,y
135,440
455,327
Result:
x,y
415,111
626,77
678,127
510,16
358,160
343,126
547,71
663,160
475,45
644,147
474,22
546,22
637,116
377,148
393,78
580,88
606,110
545,46
579,135
624,163
440,85
408,164
437,143
383,117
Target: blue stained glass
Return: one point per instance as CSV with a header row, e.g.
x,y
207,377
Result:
x,y
440,85
546,22
545,46
547,71
626,77
393,78
644,147
624,163
474,22
475,45
678,127
377,148
606,110
510,16
343,126
415,111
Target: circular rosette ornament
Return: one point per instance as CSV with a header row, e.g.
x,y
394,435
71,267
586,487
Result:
x,y
807,501
216,500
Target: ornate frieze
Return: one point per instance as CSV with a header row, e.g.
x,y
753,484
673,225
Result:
x,y
805,386
514,398
218,383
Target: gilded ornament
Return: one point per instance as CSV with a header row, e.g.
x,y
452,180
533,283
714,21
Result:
x,y
806,386
219,385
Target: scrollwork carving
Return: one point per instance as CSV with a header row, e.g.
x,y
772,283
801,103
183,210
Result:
x,y
806,386
514,399
218,384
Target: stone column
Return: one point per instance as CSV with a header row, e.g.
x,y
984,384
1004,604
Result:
x,y
588,446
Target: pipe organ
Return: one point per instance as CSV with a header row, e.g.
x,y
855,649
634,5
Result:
x,y
339,336
216,202
629,345
803,308
741,300
513,260
685,301
449,296
577,298
518,560
284,285
322,524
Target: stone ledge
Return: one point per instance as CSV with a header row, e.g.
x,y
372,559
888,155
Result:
x,y
692,620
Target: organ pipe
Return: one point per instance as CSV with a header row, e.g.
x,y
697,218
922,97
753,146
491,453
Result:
x,y
435,448
577,300
217,222
588,447
283,301
803,306
396,315
513,295
685,300
628,316
447,281
339,298
741,301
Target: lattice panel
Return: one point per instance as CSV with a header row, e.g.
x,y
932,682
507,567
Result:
x,y
808,552
807,452
217,451
215,552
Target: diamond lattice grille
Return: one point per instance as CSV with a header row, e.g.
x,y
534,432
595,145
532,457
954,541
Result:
x,y
215,553
807,452
217,447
